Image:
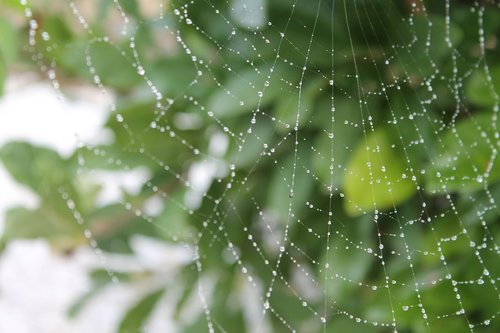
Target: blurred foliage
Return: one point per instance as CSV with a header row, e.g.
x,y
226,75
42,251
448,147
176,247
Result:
x,y
409,146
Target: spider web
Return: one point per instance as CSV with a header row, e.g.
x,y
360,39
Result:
x,y
362,148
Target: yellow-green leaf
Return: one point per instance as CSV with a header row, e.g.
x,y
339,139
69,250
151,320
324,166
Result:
x,y
376,177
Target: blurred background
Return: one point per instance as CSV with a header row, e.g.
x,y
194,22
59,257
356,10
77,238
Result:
x,y
249,166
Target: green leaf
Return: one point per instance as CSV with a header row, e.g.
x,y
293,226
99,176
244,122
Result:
x,y
41,223
14,4
336,148
58,29
138,116
289,104
377,177
130,7
113,225
350,263
8,49
253,148
3,72
46,173
466,159
281,193
241,93
113,68
134,319
285,302
478,88
36,167
174,74
10,41
174,221
196,325
225,311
